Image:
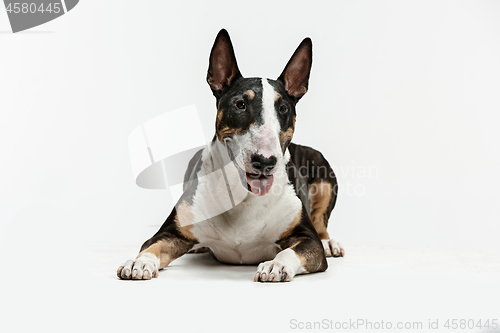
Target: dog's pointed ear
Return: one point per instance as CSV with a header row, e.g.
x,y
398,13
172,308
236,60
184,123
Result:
x,y
222,69
295,76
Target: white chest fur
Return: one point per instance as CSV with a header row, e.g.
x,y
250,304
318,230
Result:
x,y
247,233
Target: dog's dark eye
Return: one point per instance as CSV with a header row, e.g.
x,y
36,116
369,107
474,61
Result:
x,y
241,105
283,109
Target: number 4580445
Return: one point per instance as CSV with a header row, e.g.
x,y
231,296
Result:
x,y
25,7
471,324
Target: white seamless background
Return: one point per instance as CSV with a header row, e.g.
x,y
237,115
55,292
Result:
x,y
403,101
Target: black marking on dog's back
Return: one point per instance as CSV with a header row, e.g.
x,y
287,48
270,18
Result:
x,y
317,169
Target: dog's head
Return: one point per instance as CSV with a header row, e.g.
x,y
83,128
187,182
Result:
x,y
256,116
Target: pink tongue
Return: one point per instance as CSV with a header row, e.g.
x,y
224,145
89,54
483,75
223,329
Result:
x,y
261,185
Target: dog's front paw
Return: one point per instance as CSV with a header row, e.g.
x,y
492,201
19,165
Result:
x,y
333,248
143,268
274,271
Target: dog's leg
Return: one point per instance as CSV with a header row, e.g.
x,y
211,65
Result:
x,y
169,243
302,253
305,256
321,196
322,191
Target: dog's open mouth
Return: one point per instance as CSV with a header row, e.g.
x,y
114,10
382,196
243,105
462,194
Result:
x,y
259,184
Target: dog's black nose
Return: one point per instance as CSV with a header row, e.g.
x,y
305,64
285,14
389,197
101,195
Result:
x,y
263,164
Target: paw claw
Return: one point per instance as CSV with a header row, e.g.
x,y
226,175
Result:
x,y
333,248
143,268
119,271
273,271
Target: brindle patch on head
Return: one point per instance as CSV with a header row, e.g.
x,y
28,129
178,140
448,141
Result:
x,y
286,136
220,114
224,133
234,120
320,195
228,132
250,93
